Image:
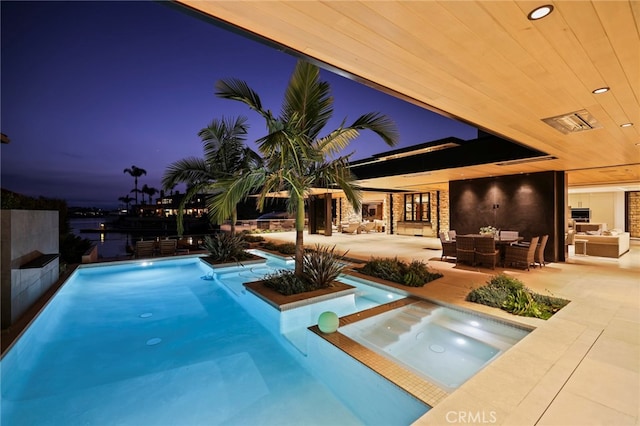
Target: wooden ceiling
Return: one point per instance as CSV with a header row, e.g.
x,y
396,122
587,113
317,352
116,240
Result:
x,y
483,63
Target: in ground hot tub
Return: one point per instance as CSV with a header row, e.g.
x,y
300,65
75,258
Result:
x,y
445,346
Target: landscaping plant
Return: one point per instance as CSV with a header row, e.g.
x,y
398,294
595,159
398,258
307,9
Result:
x,y
223,247
510,294
321,267
283,248
414,274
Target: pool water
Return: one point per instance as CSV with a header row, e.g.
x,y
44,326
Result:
x,y
445,346
155,343
292,324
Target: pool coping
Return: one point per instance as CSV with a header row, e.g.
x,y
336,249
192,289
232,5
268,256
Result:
x,y
285,303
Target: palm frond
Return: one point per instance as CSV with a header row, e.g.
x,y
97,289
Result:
x,y
307,102
337,140
239,90
233,190
380,124
191,192
187,170
337,173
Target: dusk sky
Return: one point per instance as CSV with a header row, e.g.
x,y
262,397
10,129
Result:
x,y
91,88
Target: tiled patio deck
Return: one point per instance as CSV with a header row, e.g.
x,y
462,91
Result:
x,y
581,367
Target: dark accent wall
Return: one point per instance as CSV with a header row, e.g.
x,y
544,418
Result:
x,y
532,204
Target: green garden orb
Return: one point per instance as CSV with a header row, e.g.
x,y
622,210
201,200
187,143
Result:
x,y
328,322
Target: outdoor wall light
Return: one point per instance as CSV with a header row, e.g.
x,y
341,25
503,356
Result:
x,y
540,12
626,125
600,90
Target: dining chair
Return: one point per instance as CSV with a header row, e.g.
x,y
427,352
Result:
x,y
519,254
486,252
448,246
465,251
539,256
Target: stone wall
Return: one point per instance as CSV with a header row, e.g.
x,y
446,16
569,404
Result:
x,y
398,210
633,198
444,212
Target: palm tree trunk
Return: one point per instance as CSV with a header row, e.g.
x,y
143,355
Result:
x,y
234,219
299,236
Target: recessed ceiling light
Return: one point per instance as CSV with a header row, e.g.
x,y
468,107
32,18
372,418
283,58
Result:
x,y
626,125
540,12
600,90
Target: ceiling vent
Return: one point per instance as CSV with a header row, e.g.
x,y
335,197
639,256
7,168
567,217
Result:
x,y
578,121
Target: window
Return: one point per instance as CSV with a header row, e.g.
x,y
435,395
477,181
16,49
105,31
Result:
x,y
417,207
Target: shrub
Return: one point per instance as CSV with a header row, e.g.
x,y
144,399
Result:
x,y
286,282
415,274
284,248
510,294
550,304
225,247
321,266
250,238
520,302
495,292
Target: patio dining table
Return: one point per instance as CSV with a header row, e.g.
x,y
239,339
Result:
x,y
501,244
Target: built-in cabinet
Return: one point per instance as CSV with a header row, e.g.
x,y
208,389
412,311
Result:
x,y
423,229
605,207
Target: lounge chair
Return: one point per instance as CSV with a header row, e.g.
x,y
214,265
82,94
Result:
x,y
351,227
368,227
144,248
168,247
465,251
520,254
485,251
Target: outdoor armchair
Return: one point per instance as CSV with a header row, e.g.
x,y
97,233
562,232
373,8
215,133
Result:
x,y
539,256
448,246
519,254
465,251
486,252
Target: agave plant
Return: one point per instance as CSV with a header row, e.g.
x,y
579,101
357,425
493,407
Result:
x,y
322,266
224,247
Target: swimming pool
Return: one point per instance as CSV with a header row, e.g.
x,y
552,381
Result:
x,y
445,346
154,343
292,324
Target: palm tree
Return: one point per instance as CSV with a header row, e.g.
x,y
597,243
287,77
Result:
x,y
136,172
137,191
150,191
127,200
225,156
297,158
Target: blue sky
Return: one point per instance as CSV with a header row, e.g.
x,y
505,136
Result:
x,y
91,88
